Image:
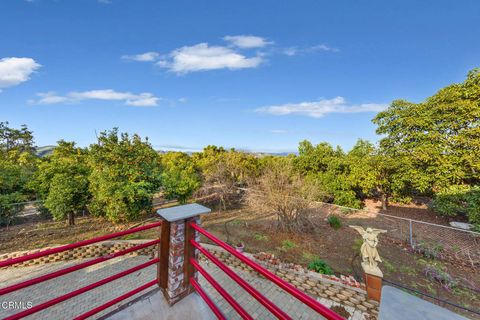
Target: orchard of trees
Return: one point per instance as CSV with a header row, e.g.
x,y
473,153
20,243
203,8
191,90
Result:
x,y
430,149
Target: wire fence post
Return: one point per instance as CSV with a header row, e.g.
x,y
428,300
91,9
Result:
x,y
411,233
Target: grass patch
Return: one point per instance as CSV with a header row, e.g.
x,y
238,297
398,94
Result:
x,y
320,266
288,244
260,237
389,266
334,222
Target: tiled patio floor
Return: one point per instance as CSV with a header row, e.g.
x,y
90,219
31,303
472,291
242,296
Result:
x,y
73,307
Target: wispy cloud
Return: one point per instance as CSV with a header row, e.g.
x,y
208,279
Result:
x,y
138,100
293,51
14,71
247,41
143,57
202,57
278,131
317,109
239,52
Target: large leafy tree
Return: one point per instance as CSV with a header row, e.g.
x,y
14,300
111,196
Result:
x,y
374,174
125,175
180,176
327,169
438,138
62,181
17,165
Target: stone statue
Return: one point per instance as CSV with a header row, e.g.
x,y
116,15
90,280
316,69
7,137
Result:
x,y
370,256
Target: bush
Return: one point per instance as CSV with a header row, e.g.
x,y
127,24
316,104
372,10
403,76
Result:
x,y
280,191
8,209
459,200
320,266
334,222
288,244
437,274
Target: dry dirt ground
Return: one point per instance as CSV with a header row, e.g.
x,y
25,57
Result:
x,y
339,249
258,232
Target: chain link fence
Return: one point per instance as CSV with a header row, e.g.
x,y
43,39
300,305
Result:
x,y
9,212
437,241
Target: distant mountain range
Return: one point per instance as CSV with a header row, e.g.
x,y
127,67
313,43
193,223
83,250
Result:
x,y
44,151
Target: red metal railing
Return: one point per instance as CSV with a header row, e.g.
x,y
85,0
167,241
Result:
x,y
304,298
92,286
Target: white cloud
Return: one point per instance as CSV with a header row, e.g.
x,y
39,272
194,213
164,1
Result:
x,y
14,71
292,51
50,97
317,109
138,100
143,57
203,57
278,131
247,42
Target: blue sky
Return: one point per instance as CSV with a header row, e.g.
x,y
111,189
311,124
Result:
x,y
256,75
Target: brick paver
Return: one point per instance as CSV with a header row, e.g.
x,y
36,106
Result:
x,y
73,307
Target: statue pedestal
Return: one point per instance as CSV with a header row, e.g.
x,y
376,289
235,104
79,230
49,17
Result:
x,y
373,285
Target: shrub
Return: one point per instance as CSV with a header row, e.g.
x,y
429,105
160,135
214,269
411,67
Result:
x,y
260,237
459,200
320,266
429,251
288,244
441,276
334,222
8,209
280,191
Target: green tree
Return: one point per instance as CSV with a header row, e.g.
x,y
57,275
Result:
x,y
180,176
459,200
327,168
438,138
62,181
17,165
67,196
125,175
375,174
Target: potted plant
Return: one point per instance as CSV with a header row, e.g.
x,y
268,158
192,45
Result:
x,y
240,247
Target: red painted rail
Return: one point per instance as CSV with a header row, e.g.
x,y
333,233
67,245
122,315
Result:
x,y
244,284
9,262
77,292
76,267
79,266
309,301
116,300
235,305
207,299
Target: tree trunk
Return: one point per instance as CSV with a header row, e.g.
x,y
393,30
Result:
x,y
384,198
71,218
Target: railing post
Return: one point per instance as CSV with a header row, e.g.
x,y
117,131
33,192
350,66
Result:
x,y
174,269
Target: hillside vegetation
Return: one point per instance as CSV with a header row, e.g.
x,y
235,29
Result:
x,y
431,148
